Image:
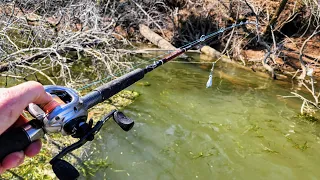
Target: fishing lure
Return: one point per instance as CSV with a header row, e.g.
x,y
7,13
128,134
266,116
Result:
x,y
209,82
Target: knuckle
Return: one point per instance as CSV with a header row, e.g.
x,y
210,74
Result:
x,y
32,87
6,97
35,85
6,104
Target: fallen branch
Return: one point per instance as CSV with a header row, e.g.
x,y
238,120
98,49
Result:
x,y
155,38
209,51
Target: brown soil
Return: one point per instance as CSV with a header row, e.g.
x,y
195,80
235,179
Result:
x,y
288,33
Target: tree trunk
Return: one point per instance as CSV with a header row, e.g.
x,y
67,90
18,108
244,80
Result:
x,y
274,18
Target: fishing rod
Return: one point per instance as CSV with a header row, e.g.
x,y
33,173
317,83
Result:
x,y
67,113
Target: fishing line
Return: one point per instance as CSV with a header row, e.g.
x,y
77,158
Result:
x,y
209,82
181,62
201,39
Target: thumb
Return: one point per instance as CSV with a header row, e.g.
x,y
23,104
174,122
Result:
x,y
15,99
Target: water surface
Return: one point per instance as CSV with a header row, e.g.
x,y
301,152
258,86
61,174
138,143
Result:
x,y
238,129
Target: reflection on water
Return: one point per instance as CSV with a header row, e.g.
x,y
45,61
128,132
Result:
x,y
238,129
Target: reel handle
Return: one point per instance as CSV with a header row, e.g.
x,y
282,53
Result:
x,y
12,141
18,139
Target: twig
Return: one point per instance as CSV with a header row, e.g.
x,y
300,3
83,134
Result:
x,y
303,65
149,17
228,42
17,48
13,76
39,71
305,99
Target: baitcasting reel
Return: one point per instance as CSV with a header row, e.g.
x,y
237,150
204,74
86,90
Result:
x,y
67,114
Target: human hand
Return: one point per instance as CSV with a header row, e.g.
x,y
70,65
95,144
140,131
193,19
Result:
x,y
12,103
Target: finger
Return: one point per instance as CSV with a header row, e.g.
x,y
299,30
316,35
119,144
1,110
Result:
x,y
33,149
1,169
13,100
13,160
31,92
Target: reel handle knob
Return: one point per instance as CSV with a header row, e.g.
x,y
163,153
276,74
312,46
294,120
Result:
x,y
64,170
123,121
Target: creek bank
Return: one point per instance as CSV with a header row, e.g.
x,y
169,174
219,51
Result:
x,y
250,58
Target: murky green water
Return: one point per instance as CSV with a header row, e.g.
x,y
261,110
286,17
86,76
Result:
x,y
238,129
